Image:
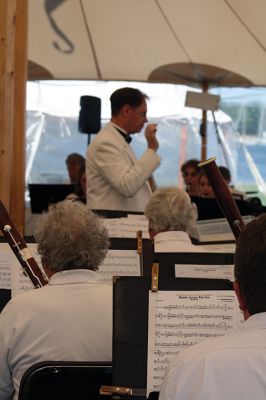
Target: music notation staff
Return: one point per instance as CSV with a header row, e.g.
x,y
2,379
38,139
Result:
x,y
116,263
180,319
120,263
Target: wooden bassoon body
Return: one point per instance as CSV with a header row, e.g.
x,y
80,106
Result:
x,y
223,196
18,246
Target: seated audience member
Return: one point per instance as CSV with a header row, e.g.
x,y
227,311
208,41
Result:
x,y
190,171
74,162
232,366
71,317
172,220
80,188
237,194
205,189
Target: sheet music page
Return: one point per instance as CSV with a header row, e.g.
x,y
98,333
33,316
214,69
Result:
x,y
178,319
7,259
20,282
130,226
116,263
127,227
219,237
113,226
219,247
120,263
204,271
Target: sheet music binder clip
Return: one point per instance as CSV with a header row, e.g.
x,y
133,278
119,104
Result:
x,y
139,242
155,277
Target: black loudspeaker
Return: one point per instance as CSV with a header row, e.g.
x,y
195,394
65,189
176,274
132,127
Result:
x,y
90,114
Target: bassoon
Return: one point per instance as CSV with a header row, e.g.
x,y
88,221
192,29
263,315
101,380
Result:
x,y
18,246
223,196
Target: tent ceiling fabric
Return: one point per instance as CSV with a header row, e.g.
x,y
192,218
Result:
x,y
144,40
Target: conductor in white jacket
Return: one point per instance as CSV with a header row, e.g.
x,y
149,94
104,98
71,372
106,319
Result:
x,y
116,179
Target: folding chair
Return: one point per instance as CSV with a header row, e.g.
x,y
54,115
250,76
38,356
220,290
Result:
x,y
65,380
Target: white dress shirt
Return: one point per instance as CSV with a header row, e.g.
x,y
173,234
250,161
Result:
x,y
230,367
70,319
174,242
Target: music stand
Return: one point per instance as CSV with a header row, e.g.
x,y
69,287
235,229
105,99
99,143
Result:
x,y
42,195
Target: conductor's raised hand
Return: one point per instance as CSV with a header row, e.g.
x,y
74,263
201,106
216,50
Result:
x,y
150,134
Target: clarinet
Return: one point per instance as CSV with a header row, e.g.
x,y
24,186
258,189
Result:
x,y
223,196
18,246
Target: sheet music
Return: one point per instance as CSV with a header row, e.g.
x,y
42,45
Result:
x,y
219,247
180,319
7,258
113,226
204,271
130,226
120,263
127,227
116,263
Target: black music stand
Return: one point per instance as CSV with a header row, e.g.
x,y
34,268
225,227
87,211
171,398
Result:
x,y
42,195
130,323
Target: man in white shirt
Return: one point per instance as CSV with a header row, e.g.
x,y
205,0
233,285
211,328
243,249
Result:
x,y
233,366
116,179
69,319
172,221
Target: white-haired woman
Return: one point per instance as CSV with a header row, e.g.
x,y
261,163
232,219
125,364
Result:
x,y
172,220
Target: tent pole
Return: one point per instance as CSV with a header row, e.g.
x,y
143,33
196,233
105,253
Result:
x,y
12,107
203,128
17,205
7,35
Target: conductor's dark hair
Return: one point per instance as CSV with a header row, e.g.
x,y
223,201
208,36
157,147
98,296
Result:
x,y
132,97
192,163
250,264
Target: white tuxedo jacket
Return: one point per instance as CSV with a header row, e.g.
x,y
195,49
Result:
x,y
116,179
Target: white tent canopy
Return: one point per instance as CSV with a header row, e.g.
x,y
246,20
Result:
x,y
129,40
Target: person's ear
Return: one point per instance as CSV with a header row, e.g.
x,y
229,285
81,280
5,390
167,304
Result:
x,y
241,299
125,110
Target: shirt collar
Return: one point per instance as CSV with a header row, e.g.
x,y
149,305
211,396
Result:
x,y
255,321
172,236
123,133
74,276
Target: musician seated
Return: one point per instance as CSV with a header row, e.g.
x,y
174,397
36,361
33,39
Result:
x,y
204,187
172,221
237,194
70,319
79,193
190,170
231,366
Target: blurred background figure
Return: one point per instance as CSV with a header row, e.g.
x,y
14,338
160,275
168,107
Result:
x,y
79,192
172,220
204,187
190,171
237,194
74,162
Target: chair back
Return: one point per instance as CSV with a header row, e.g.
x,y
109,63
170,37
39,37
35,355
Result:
x,y
65,380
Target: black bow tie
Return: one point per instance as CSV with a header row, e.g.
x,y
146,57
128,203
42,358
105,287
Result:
x,y
125,136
